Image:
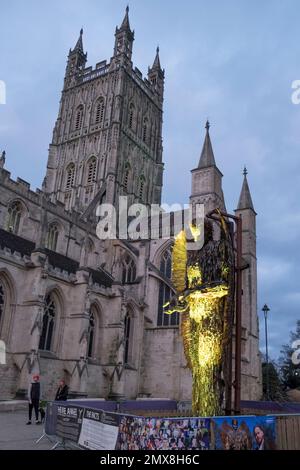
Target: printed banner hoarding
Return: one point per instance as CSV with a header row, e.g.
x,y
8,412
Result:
x,y
163,433
101,430
244,433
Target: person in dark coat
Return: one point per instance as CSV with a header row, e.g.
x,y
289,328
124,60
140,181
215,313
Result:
x,y
34,396
62,391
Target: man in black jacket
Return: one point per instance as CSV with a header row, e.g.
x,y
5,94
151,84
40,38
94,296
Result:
x,y
34,396
62,391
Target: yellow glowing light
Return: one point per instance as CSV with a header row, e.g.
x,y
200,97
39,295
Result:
x,y
195,231
201,308
194,275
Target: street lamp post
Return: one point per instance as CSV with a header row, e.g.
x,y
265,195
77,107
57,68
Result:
x,y
266,309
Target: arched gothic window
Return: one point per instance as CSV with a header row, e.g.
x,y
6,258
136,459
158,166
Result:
x,y
46,339
52,237
91,170
70,178
14,217
165,292
78,117
166,263
128,270
91,337
99,115
127,337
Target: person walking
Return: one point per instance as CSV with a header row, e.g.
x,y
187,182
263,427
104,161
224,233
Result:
x,y
62,391
34,395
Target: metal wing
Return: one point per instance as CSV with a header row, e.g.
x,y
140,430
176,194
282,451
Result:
x,y
247,438
179,263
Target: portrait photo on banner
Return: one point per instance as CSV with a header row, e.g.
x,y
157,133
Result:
x,y
163,434
244,433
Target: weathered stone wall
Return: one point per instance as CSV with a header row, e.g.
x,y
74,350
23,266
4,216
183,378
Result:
x,y
9,377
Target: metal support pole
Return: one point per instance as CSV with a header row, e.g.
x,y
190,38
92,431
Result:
x,y
238,317
266,309
267,359
238,313
228,403
41,437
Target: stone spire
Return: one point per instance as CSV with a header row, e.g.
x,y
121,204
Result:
x,y
207,179
245,200
76,62
124,38
156,76
207,155
79,45
156,63
125,23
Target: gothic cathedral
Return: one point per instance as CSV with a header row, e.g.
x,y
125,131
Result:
x,y
87,310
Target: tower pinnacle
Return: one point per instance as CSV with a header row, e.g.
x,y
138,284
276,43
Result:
x,y
156,75
207,155
125,23
245,200
156,63
79,45
124,38
76,62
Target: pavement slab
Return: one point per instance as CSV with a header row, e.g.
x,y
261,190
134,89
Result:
x,y
16,435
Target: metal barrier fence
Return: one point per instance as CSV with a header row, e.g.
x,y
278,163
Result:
x,y
79,425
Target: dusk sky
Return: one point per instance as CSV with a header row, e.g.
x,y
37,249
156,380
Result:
x,y
232,62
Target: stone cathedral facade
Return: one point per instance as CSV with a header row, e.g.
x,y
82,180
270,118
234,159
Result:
x,y
91,311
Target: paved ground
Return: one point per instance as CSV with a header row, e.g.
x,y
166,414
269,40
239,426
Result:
x,y
15,435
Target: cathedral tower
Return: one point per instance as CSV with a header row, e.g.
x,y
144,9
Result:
x,y
207,178
107,139
251,367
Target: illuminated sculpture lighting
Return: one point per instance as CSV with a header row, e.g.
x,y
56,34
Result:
x,y
206,321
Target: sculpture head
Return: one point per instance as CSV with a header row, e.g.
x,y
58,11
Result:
x,y
235,424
